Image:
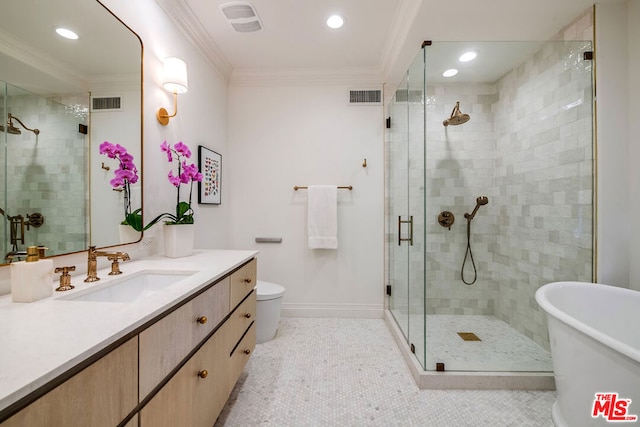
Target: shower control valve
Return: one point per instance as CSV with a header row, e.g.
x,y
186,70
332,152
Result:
x,y
446,219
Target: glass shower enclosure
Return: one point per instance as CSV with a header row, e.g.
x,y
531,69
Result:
x,y
484,211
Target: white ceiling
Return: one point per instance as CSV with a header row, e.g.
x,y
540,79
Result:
x,y
378,34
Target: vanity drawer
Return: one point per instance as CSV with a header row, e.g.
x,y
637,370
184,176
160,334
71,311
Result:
x,y
100,395
241,353
168,341
240,320
197,392
242,282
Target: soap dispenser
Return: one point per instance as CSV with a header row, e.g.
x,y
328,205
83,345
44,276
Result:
x,y
31,279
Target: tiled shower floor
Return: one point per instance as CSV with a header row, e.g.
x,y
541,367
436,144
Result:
x,y
501,348
349,372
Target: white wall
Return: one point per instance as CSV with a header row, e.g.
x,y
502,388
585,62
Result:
x,y
201,119
281,136
633,89
614,153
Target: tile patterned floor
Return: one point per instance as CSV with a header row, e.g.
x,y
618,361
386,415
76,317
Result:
x,y
349,372
501,348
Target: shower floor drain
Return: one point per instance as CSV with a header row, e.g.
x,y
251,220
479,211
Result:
x,y
469,336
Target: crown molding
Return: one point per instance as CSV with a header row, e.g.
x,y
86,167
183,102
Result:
x,y
187,21
38,60
362,77
403,20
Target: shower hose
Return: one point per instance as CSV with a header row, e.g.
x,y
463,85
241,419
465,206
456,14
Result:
x,y
469,254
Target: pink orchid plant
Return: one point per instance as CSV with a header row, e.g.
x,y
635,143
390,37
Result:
x,y
124,176
185,174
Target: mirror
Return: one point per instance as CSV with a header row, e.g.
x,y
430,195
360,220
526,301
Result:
x,y
76,94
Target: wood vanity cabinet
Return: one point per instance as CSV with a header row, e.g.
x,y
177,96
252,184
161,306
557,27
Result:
x,y
197,392
177,371
102,394
169,340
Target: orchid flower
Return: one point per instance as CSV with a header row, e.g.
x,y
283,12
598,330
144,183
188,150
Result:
x,y
186,174
124,176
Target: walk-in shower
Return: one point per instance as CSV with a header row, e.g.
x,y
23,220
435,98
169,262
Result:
x,y
525,160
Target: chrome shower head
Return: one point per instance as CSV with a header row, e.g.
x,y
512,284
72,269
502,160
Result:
x,y
457,117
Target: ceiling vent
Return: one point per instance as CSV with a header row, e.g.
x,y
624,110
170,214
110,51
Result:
x,y
241,16
106,103
365,97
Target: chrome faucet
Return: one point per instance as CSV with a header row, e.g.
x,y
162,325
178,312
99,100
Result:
x,y
92,262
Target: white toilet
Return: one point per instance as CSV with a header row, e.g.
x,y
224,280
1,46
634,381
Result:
x,y
269,302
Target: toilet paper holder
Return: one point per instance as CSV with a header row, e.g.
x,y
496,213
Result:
x,y
268,239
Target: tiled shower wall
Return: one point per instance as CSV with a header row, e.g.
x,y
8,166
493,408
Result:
x,y
36,167
544,181
460,167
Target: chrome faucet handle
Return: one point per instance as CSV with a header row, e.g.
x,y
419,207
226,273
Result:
x,y
65,278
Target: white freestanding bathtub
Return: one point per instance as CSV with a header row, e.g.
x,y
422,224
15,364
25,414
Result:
x,y
594,331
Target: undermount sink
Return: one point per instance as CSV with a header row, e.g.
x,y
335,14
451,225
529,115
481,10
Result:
x,y
132,288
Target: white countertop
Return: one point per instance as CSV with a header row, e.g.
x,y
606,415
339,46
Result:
x,y
43,339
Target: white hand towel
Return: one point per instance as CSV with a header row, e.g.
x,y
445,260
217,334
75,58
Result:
x,y
322,217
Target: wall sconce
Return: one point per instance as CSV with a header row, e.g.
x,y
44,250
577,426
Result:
x,y
175,80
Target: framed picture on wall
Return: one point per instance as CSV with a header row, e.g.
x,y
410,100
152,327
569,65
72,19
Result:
x,y
210,165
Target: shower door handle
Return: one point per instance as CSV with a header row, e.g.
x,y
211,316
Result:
x,y
410,238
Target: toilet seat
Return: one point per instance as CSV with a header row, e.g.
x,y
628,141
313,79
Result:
x,y
267,291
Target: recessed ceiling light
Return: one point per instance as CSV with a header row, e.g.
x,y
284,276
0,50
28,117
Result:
x,y
450,72
335,21
468,56
66,33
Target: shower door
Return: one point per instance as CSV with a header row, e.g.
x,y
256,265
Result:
x,y
406,208
4,229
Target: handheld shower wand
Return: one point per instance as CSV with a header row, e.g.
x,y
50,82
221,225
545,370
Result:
x,y
480,201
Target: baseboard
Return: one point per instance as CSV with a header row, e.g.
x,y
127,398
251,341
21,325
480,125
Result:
x,y
344,311
466,380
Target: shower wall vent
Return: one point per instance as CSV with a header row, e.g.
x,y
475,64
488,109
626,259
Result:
x,y
365,97
406,95
106,103
241,16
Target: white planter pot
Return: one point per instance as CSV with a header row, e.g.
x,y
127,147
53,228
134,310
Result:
x,y
128,234
178,239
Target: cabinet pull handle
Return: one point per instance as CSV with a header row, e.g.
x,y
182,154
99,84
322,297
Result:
x,y
202,320
203,373
247,280
248,315
247,351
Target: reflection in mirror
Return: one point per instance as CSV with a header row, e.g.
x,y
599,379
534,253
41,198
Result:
x,y
37,163
77,94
